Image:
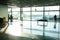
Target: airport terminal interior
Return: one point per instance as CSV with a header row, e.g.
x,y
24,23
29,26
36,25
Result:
x,y
29,19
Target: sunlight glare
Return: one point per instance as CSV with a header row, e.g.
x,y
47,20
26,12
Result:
x,y
14,29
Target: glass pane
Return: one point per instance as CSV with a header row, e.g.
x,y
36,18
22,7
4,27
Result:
x,y
37,8
52,8
37,15
26,16
15,9
9,9
47,16
54,13
26,9
50,15
16,15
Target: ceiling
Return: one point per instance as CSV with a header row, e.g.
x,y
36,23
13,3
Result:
x,y
28,3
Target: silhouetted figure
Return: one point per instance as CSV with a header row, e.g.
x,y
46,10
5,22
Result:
x,y
11,19
55,20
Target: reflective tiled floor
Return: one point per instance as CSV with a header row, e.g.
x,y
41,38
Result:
x,y
4,36
16,32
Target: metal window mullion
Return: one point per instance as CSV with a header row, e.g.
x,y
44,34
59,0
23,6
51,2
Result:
x,y
21,19
43,22
31,20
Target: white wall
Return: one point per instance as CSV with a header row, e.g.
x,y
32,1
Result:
x,y
4,11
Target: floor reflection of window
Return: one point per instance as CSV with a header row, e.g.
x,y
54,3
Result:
x,y
14,29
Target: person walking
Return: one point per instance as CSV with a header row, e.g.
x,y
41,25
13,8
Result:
x,y
11,19
55,20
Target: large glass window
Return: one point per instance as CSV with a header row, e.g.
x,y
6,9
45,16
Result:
x,y
35,19
31,15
